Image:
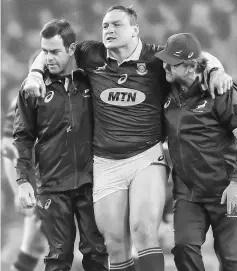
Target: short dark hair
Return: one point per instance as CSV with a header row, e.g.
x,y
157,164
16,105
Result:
x,y
129,11
59,27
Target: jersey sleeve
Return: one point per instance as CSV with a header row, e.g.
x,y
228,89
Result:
x,y
86,51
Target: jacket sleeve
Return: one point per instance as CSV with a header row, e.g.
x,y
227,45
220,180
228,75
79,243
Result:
x,y
8,123
24,133
226,107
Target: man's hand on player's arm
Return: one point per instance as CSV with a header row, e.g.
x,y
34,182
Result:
x,y
34,84
230,197
219,79
26,194
230,193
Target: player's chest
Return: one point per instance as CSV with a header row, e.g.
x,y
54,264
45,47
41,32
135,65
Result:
x,y
124,80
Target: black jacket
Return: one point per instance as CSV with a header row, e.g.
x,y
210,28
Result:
x,y
60,127
201,143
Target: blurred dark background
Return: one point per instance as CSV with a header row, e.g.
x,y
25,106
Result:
x,y
213,22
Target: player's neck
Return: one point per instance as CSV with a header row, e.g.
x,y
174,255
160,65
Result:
x,y
186,82
71,66
124,52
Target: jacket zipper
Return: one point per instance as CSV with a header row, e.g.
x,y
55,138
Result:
x,y
74,146
178,135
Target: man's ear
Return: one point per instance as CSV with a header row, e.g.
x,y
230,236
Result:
x,y
135,30
192,67
72,49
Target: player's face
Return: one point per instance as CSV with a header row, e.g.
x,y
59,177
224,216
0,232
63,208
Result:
x,y
57,56
175,73
117,30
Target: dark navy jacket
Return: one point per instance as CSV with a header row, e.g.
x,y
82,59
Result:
x,y
60,127
201,143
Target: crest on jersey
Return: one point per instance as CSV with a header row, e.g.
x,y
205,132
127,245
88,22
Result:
x,y
141,68
49,97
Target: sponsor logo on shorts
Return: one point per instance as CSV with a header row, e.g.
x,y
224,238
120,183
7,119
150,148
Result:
x,y
161,158
122,96
47,204
141,69
49,97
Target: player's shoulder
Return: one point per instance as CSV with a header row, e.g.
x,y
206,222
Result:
x,y
13,104
230,96
150,50
88,52
89,45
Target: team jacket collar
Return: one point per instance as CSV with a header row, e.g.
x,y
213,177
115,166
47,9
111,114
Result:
x,y
194,90
50,78
134,56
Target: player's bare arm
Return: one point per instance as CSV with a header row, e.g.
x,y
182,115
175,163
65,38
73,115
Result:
x,y
219,79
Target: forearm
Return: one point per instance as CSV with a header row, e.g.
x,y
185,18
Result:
x,y
212,62
39,62
24,164
10,171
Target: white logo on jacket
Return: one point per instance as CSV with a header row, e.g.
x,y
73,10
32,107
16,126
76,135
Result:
x,y
47,204
100,69
49,97
200,107
167,103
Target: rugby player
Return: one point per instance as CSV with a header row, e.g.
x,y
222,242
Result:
x,y
60,128
33,243
130,174
202,137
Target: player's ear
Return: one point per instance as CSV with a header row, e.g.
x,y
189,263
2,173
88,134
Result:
x,y
193,66
72,48
135,30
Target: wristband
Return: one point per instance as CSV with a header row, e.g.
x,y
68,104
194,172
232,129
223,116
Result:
x,y
37,70
21,181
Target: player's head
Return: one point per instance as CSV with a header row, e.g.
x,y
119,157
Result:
x,y
120,27
182,57
58,43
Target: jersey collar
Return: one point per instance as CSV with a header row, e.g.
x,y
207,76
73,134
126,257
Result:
x,y
134,56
